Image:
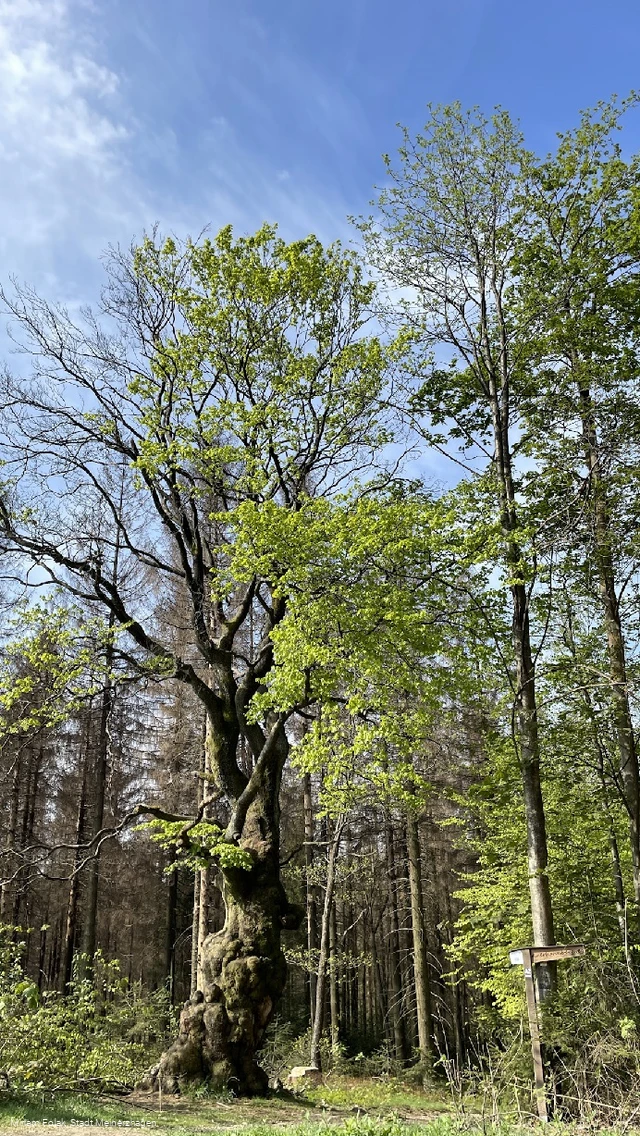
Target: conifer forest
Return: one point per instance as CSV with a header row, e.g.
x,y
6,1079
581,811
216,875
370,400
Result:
x,y
319,690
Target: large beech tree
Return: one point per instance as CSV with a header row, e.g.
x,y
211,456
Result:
x,y
232,383
230,374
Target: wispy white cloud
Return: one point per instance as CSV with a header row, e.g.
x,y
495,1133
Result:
x,y
98,139
244,189
66,182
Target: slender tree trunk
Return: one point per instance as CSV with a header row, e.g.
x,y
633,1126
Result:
x,y
201,888
99,781
325,933
457,985
409,1010
614,852
527,721
334,1000
32,778
525,709
54,957
130,967
616,872
42,953
376,974
362,978
616,868
71,928
312,932
352,950
33,785
170,942
420,963
12,832
372,1011
205,873
395,985
345,1001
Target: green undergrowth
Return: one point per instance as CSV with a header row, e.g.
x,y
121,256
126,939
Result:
x,y
384,1093
99,1037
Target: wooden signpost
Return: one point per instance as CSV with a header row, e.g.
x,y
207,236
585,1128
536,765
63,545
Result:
x,y
528,957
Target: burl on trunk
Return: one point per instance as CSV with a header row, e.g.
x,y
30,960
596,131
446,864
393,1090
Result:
x,y
222,1026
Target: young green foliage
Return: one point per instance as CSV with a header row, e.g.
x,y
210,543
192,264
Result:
x,y
52,668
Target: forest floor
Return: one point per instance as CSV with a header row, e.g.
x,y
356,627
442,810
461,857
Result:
x,y
355,1106
361,1106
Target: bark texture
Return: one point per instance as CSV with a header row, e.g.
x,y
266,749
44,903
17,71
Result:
x,y
242,970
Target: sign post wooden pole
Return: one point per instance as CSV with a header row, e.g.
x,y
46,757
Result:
x,y
534,1030
528,958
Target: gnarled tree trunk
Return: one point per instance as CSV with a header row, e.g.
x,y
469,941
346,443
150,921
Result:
x,y
243,969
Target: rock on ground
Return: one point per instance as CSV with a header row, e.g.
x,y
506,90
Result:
x,y
304,1074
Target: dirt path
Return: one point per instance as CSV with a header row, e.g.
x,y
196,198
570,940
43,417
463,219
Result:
x,y
186,1118
145,1114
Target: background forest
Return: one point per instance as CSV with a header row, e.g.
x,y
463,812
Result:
x,y
246,637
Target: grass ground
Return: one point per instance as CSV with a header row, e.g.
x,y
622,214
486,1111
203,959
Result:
x,y
354,1106
360,1107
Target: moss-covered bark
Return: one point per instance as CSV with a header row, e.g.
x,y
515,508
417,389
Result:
x,y
243,972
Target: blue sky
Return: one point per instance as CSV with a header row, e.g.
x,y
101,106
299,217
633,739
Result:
x,y
119,113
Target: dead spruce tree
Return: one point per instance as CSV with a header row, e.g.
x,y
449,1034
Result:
x,y
231,381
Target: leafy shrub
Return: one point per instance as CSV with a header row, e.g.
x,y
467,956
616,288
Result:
x,y
101,1035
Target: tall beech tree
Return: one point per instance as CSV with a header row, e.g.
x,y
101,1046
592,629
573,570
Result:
x,y
233,372
445,235
578,286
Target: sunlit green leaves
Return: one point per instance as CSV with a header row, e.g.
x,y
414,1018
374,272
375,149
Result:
x,y
51,668
264,377
197,846
101,1035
